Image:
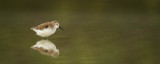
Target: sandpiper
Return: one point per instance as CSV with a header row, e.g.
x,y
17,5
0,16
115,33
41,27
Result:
x,y
46,29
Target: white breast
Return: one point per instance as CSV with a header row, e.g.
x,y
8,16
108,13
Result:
x,y
45,32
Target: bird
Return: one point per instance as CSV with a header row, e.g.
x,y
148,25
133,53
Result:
x,y
47,29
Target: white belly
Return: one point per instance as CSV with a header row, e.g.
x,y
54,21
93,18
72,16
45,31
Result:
x,y
46,32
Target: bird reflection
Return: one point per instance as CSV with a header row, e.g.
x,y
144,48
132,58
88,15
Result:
x,y
46,47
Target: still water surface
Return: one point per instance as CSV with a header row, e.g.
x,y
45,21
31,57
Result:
x,y
87,39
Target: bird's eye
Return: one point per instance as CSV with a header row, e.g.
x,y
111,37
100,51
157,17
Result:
x,y
57,24
46,26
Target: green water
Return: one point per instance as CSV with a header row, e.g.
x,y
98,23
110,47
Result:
x,y
109,38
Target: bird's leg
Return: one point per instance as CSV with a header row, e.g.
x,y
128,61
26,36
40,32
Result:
x,y
43,38
47,38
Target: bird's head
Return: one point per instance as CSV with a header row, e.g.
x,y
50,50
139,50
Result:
x,y
56,24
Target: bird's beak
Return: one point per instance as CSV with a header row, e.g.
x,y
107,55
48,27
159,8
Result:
x,y
61,28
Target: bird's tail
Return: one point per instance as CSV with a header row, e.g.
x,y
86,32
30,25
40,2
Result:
x,y
33,28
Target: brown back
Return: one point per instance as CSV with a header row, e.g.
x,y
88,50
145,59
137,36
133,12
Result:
x,y
46,25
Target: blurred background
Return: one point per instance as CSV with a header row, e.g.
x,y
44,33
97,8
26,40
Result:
x,y
96,31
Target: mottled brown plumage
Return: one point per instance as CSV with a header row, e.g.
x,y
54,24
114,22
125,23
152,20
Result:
x,y
46,25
